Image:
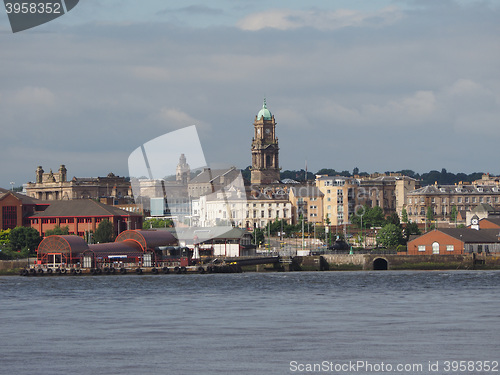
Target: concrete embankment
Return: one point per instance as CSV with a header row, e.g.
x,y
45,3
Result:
x,y
336,262
11,267
411,262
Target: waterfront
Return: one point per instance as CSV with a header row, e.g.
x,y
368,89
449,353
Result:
x,y
252,323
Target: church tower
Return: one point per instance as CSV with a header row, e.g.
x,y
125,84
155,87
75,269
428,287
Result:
x,y
182,173
265,161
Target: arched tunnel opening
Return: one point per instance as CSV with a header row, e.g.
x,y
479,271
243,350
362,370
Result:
x,y
380,264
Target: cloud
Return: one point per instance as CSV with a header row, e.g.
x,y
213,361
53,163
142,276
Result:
x,y
193,10
405,111
153,73
288,19
173,118
39,97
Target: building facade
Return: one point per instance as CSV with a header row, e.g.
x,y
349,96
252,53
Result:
x,y
388,192
15,209
442,198
55,186
453,241
247,208
307,203
339,198
82,216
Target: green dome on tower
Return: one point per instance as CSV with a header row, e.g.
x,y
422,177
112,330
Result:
x,y
264,112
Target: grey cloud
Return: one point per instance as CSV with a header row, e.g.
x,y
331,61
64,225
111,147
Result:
x,y
193,9
415,94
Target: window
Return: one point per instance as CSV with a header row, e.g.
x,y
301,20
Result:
x,y
435,248
450,248
421,247
9,217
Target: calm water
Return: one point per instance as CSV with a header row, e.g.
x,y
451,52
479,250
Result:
x,y
246,323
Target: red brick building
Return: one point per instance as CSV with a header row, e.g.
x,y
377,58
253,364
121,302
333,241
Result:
x,y
453,241
82,215
15,209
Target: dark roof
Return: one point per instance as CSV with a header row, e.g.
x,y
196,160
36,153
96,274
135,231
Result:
x,y
468,235
129,248
66,244
23,198
456,189
306,191
210,175
148,239
81,207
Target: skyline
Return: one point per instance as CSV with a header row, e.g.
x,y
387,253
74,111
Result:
x,y
390,86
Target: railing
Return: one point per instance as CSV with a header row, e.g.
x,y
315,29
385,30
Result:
x,y
364,252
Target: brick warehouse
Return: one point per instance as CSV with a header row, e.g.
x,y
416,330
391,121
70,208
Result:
x,y
15,209
82,215
456,241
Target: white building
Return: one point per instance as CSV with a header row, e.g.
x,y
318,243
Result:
x,y
242,208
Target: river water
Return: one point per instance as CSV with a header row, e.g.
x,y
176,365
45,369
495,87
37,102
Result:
x,y
251,323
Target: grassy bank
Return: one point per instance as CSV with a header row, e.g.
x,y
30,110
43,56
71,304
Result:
x,y
10,272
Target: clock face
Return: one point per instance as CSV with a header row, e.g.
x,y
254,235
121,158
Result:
x,y
268,131
474,221
258,131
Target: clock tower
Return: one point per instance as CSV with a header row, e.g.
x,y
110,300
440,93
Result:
x,y
265,161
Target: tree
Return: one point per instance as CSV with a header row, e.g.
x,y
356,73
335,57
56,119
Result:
x,y
430,214
371,217
258,235
104,232
157,223
390,236
411,229
404,215
24,238
4,236
393,219
57,231
454,213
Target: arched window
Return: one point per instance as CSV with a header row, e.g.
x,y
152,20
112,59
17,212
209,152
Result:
x,y
435,248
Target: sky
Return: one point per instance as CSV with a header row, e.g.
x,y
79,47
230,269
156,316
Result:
x,y
381,85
